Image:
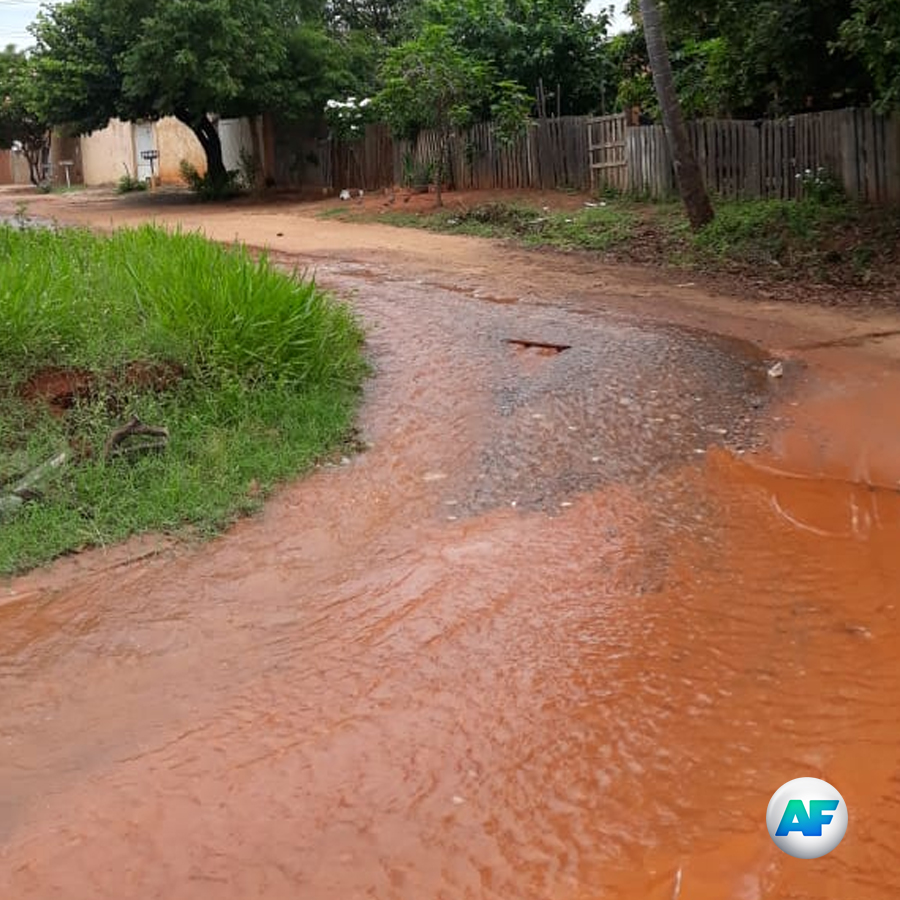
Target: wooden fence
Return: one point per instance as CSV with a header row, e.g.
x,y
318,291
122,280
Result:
x,y
608,148
769,159
551,153
764,159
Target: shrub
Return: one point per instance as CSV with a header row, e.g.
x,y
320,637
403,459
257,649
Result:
x,y
208,188
128,184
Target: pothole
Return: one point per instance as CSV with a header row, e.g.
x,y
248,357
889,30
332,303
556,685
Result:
x,y
537,348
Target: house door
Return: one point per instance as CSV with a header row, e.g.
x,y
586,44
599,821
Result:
x,y
145,150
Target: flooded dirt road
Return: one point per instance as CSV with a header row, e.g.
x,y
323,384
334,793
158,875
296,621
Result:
x,y
597,588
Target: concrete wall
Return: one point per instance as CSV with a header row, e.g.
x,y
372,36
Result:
x,y
175,142
105,154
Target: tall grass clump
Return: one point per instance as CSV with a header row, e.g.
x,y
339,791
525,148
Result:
x,y
260,376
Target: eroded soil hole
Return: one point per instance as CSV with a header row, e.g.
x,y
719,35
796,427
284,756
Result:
x,y
61,389
537,348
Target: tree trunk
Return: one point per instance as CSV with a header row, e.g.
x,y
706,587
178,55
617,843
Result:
x,y
439,169
687,172
208,135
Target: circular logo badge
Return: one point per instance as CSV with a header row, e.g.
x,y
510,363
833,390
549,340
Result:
x,y
807,818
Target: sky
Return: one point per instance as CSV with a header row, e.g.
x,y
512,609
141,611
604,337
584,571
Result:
x,y
16,14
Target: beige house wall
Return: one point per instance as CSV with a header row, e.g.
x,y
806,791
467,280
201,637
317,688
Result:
x,y
175,142
106,153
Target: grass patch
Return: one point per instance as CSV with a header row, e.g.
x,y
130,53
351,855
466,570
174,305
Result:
x,y
254,374
812,242
599,228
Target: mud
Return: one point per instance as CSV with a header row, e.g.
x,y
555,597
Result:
x,y
560,632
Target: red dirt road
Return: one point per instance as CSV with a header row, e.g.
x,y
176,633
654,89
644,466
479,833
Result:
x,y
559,633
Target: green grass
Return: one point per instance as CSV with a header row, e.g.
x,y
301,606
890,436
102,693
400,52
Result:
x,y
268,375
598,228
810,242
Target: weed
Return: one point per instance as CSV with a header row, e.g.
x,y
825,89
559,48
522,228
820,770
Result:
x,y
596,228
208,188
264,372
129,184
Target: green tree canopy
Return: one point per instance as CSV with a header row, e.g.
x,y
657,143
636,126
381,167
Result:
x,y
22,123
143,59
872,34
432,83
766,57
553,43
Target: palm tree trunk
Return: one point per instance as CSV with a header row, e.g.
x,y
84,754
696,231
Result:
x,y
687,172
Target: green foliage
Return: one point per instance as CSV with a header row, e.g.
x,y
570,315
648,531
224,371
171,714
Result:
x,y
128,184
268,369
599,228
772,57
143,59
509,111
431,83
348,118
554,42
872,34
822,186
209,188
22,119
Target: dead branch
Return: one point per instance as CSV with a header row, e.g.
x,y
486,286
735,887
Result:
x,y
115,445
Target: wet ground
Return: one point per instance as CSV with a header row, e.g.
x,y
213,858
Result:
x,y
597,588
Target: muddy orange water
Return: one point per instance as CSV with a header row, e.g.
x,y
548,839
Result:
x,y
559,633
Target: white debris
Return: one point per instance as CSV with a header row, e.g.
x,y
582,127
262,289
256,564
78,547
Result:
x,y
777,370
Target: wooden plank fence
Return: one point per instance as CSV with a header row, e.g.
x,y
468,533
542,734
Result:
x,y
768,159
608,148
551,153
739,159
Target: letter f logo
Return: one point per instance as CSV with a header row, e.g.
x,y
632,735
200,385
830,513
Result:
x,y
795,817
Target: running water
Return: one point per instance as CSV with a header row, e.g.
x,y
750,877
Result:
x,y
552,636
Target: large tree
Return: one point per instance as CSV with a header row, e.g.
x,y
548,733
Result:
x,y
22,123
193,59
775,57
872,34
549,44
687,172
431,83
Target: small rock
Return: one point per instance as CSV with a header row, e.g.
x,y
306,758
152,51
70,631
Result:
x,y
777,371
458,801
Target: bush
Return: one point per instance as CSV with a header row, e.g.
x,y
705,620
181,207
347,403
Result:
x,y
208,188
129,184
255,375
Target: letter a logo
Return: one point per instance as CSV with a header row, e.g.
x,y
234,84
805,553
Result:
x,y
807,818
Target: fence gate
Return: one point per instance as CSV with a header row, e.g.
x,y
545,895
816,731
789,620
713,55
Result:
x,y
606,143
